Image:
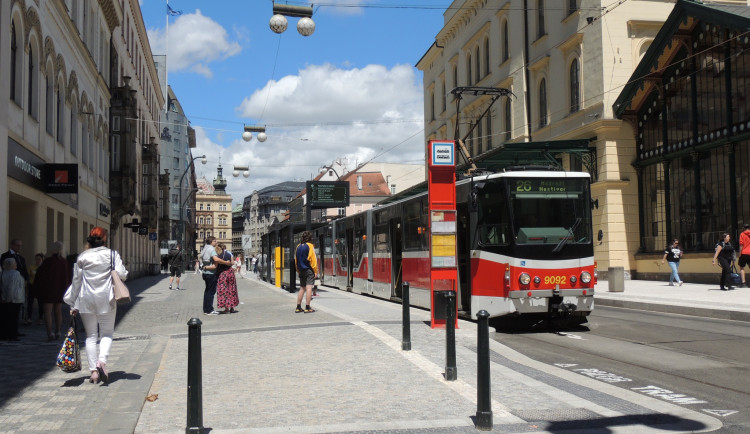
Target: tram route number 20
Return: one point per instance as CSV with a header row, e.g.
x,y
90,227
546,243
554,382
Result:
x,y
555,280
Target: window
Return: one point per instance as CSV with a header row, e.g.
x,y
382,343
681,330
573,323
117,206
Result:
x,y
442,96
393,188
85,143
342,211
540,19
208,207
488,135
208,220
572,6
507,124
432,105
13,62
32,86
575,96
49,99
455,76
60,114
200,207
200,220
506,51
543,103
74,129
116,152
477,69
115,123
468,69
486,57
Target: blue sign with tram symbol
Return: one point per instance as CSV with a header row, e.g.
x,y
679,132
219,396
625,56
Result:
x,y
443,153
152,236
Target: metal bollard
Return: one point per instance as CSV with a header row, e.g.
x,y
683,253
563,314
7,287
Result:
x,y
451,372
484,403
194,379
406,318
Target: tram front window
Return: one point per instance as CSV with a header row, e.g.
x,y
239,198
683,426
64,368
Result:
x,y
551,211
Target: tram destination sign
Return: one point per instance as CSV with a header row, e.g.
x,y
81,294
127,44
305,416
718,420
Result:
x,y
328,194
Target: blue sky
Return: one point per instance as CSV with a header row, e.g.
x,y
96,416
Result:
x,y
348,91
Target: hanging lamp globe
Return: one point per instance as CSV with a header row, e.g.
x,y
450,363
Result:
x,y
278,23
306,26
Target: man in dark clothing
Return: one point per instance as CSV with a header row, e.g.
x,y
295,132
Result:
x,y
176,263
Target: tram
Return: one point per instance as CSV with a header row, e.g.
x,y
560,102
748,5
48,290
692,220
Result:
x,y
524,246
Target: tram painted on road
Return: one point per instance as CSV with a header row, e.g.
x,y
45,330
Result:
x,y
524,246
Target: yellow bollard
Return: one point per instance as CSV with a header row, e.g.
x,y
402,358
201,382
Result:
x,y
279,264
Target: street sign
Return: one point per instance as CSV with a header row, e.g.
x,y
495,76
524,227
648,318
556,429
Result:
x,y
152,236
328,194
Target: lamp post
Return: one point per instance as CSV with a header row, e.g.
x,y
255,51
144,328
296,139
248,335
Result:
x,y
182,223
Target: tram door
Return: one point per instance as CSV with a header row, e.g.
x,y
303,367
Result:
x,y
350,258
396,256
463,247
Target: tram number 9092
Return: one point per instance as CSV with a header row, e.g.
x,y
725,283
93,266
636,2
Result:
x,y
555,280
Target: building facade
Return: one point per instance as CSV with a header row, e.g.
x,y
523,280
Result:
x,y
72,86
213,214
265,207
565,64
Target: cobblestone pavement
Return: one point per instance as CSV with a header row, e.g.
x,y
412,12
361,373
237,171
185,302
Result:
x,y
340,369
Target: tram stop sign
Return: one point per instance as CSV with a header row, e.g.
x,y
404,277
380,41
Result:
x,y
328,194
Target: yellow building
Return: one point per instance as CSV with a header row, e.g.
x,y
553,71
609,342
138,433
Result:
x,y
213,213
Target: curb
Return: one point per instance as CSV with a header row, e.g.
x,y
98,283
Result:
x,y
676,309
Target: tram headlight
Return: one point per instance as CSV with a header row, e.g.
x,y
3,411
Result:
x,y
585,277
524,279
573,280
537,280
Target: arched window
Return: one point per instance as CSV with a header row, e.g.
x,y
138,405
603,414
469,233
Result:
x,y
572,6
468,69
442,95
200,220
506,44
60,114
85,142
486,57
13,62
540,19
507,124
31,109
477,67
49,101
208,220
543,103
432,105
455,76
575,87
73,127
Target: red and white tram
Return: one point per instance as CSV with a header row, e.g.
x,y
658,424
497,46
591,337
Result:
x,y
524,246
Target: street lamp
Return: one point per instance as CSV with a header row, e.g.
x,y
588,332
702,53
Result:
x,y
248,134
245,171
182,223
305,26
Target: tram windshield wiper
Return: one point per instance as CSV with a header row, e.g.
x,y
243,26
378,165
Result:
x,y
571,234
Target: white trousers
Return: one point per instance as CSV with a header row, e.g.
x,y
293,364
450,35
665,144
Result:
x,y
96,326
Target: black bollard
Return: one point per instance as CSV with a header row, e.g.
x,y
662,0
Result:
x,y
484,404
450,337
194,379
406,326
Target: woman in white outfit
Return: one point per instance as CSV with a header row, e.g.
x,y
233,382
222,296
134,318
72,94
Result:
x,y
92,296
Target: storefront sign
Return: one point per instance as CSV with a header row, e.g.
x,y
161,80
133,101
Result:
x,y
24,166
61,178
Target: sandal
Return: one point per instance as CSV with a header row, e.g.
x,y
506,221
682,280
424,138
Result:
x,y
94,377
309,310
298,310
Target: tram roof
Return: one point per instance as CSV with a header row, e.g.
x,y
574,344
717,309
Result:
x,y
505,156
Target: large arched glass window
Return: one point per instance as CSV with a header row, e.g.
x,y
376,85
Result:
x,y
73,127
31,109
49,101
506,44
575,87
442,95
542,103
540,19
432,105
60,106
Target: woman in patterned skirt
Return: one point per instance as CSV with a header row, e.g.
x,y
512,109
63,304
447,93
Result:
x,y
226,288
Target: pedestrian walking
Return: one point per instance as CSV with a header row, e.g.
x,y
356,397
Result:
x,y
724,254
307,270
255,265
226,287
38,259
52,280
744,253
92,297
672,255
12,285
176,263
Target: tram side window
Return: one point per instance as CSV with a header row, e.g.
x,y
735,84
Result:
x,y
380,242
493,226
415,226
360,245
341,251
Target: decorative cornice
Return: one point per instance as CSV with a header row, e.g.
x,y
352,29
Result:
x,y
571,43
110,10
32,22
540,64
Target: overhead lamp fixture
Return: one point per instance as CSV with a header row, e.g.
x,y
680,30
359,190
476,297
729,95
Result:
x,y
247,135
305,26
245,171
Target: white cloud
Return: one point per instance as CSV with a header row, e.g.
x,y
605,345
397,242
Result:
x,y
322,114
194,42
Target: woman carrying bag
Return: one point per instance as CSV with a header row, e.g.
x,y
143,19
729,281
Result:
x,y
91,294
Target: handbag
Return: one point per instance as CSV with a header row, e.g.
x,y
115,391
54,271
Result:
x,y
69,357
122,295
734,278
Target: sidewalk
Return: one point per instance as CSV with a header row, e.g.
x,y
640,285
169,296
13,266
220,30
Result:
x,y
689,299
340,369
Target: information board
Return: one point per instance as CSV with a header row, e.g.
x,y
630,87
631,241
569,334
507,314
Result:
x,y
328,194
